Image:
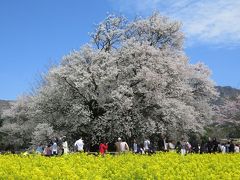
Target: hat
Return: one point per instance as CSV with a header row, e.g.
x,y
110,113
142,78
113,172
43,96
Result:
x,y
119,139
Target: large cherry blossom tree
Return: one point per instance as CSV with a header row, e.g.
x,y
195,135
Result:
x,y
132,80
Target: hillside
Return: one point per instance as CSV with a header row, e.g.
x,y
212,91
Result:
x,y
4,105
228,92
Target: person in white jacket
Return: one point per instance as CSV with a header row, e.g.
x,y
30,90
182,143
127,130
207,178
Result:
x,y
236,148
223,148
79,145
146,145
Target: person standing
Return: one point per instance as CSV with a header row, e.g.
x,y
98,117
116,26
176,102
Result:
x,y
178,147
214,145
117,145
165,144
188,147
231,147
103,147
183,147
124,147
79,145
171,146
121,146
146,145
135,146
227,145
203,147
209,145
161,143
64,146
47,150
237,148
39,149
223,148
54,149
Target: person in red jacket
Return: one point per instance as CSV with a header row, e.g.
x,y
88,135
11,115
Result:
x,y
103,147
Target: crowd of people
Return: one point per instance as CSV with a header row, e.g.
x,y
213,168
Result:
x,y
214,146
211,146
59,146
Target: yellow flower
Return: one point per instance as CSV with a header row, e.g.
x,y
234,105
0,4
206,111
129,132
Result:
x,y
126,166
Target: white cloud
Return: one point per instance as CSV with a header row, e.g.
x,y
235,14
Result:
x,y
204,21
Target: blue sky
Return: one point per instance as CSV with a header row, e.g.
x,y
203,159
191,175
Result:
x,y
36,34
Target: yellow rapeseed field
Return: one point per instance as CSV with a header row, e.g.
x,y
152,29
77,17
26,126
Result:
x,y
126,166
